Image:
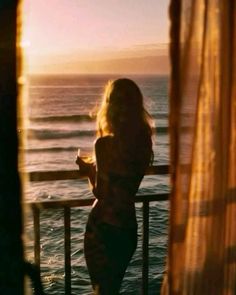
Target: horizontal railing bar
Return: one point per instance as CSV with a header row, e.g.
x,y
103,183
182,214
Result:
x,y
152,197
55,204
55,175
75,174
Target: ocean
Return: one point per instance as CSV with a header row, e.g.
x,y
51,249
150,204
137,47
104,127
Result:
x,y
60,119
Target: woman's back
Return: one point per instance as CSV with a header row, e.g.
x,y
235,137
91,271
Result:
x,y
118,180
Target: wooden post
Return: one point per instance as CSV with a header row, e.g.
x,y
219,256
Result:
x,y
11,250
67,242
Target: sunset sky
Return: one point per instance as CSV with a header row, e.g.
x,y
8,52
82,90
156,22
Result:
x,y
96,35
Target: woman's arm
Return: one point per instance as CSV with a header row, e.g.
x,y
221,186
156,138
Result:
x,y
97,173
87,169
92,176
100,188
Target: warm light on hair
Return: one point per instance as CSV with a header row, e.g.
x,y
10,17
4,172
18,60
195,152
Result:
x,y
122,109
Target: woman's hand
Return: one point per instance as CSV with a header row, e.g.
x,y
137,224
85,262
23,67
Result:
x,y
87,169
84,167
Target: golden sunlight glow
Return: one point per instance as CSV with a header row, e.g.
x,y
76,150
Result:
x,y
95,36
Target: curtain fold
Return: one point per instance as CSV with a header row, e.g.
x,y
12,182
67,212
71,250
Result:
x,y
202,240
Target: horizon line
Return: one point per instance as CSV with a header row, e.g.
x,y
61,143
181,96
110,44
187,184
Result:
x,y
93,74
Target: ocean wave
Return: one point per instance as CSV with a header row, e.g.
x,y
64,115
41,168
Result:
x,y
45,134
51,149
161,130
81,118
70,118
160,115
67,86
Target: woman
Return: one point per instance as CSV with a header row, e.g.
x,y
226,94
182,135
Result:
x,y
123,152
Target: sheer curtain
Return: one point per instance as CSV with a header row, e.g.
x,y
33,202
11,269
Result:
x,y
202,240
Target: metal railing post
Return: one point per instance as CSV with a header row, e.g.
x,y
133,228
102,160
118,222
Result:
x,y
67,245
36,219
145,266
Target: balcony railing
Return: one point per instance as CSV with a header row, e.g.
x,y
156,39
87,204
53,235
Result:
x,y
67,204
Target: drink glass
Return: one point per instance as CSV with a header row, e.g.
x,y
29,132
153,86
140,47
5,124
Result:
x,y
85,156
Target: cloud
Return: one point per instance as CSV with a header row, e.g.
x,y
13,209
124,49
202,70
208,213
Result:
x,y
139,58
142,50
151,46
135,65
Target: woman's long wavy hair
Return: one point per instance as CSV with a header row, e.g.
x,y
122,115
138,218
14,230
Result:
x,y
122,114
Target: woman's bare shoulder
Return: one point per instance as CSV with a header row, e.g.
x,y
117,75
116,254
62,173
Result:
x,y
104,152
103,142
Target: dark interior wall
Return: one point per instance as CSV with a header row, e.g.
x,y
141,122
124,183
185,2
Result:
x,y
11,251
